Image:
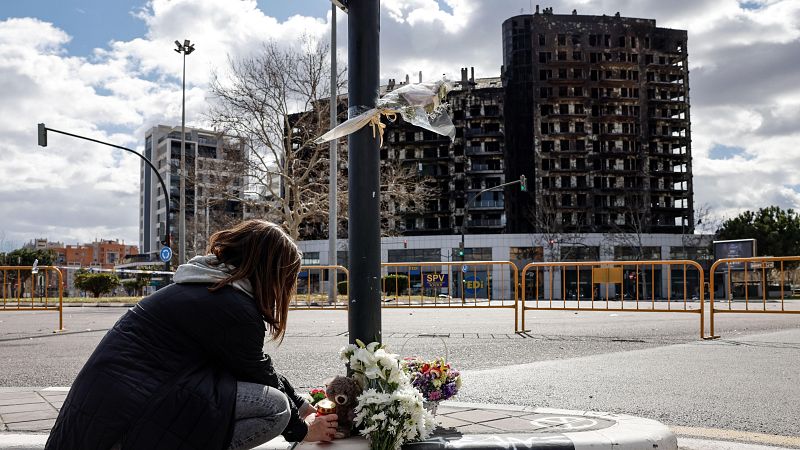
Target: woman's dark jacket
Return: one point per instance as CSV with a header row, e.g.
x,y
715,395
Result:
x,y
164,377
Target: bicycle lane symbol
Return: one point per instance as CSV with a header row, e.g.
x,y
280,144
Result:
x,y
563,423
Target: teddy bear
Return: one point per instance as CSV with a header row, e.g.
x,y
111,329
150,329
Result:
x,y
343,391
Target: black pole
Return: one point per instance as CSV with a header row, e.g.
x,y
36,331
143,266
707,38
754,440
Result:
x,y
147,161
363,57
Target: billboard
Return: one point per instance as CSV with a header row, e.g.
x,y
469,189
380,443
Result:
x,y
736,248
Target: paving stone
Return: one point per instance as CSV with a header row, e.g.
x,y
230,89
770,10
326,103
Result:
x,y
28,416
476,429
447,422
33,425
442,409
29,398
19,394
478,415
510,424
25,407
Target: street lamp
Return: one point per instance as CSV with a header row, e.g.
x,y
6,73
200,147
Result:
x,y
186,49
42,135
333,168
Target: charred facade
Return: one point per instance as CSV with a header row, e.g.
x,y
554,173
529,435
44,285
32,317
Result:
x,y
597,113
458,170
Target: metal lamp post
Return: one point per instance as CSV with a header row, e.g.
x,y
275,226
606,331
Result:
x,y
42,135
363,58
332,189
186,49
523,186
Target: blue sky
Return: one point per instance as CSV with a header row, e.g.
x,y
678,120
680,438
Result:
x,y
94,23
91,23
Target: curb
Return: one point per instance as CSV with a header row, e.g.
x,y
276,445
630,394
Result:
x,y
624,432
551,429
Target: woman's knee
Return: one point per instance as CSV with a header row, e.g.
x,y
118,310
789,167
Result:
x,y
280,408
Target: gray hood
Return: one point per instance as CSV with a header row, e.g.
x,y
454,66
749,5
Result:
x,y
205,269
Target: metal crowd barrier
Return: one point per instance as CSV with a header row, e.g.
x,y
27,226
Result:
x,y
29,288
629,286
312,288
453,284
758,285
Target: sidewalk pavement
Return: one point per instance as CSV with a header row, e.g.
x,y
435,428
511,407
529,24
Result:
x,y
26,416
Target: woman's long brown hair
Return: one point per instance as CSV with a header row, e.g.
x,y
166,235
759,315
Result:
x,y
264,254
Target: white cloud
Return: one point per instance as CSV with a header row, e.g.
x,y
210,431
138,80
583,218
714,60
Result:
x,y
743,79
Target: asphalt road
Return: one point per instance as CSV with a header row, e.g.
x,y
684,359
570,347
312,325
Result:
x,y
647,364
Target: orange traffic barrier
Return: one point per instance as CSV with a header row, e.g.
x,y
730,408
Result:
x,y
312,288
758,285
629,286
32,288
452,284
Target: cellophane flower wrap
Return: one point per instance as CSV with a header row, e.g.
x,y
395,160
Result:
x,y
390,411
435,379
420,104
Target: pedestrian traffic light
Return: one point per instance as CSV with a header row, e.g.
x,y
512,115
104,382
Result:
x,y
523,183
42,135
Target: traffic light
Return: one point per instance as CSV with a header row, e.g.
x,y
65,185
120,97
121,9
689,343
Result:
x,y
42,135
523,183
405,243
460,249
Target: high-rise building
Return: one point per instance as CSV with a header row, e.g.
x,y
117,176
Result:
x,y
458,170
592,110
214,186
597,116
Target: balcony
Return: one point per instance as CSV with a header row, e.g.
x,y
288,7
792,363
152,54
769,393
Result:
x,y
487,204
478,151
486,223
490,168
478,132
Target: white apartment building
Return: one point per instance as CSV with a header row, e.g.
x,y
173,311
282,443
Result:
x,y
214,186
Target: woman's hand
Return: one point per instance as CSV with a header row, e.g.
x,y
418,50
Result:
x,y
321,428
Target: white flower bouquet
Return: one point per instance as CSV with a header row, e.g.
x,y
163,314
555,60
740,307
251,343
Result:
x,y
390,411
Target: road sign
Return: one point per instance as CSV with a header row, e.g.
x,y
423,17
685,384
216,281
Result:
x,y
165,254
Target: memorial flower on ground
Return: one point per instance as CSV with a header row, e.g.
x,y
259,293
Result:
x,y
316,395
390,411
436,380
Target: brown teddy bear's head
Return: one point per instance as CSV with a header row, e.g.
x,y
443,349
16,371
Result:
x,y
344,392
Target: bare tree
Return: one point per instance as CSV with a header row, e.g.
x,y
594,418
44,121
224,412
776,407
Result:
x,y
272,102
629,228
554,232
277,103
705,223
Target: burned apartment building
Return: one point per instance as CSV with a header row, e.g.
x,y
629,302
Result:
x,y
597,114
456,170
593,110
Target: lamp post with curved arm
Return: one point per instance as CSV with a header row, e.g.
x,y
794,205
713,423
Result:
x,y
523,186
166,240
